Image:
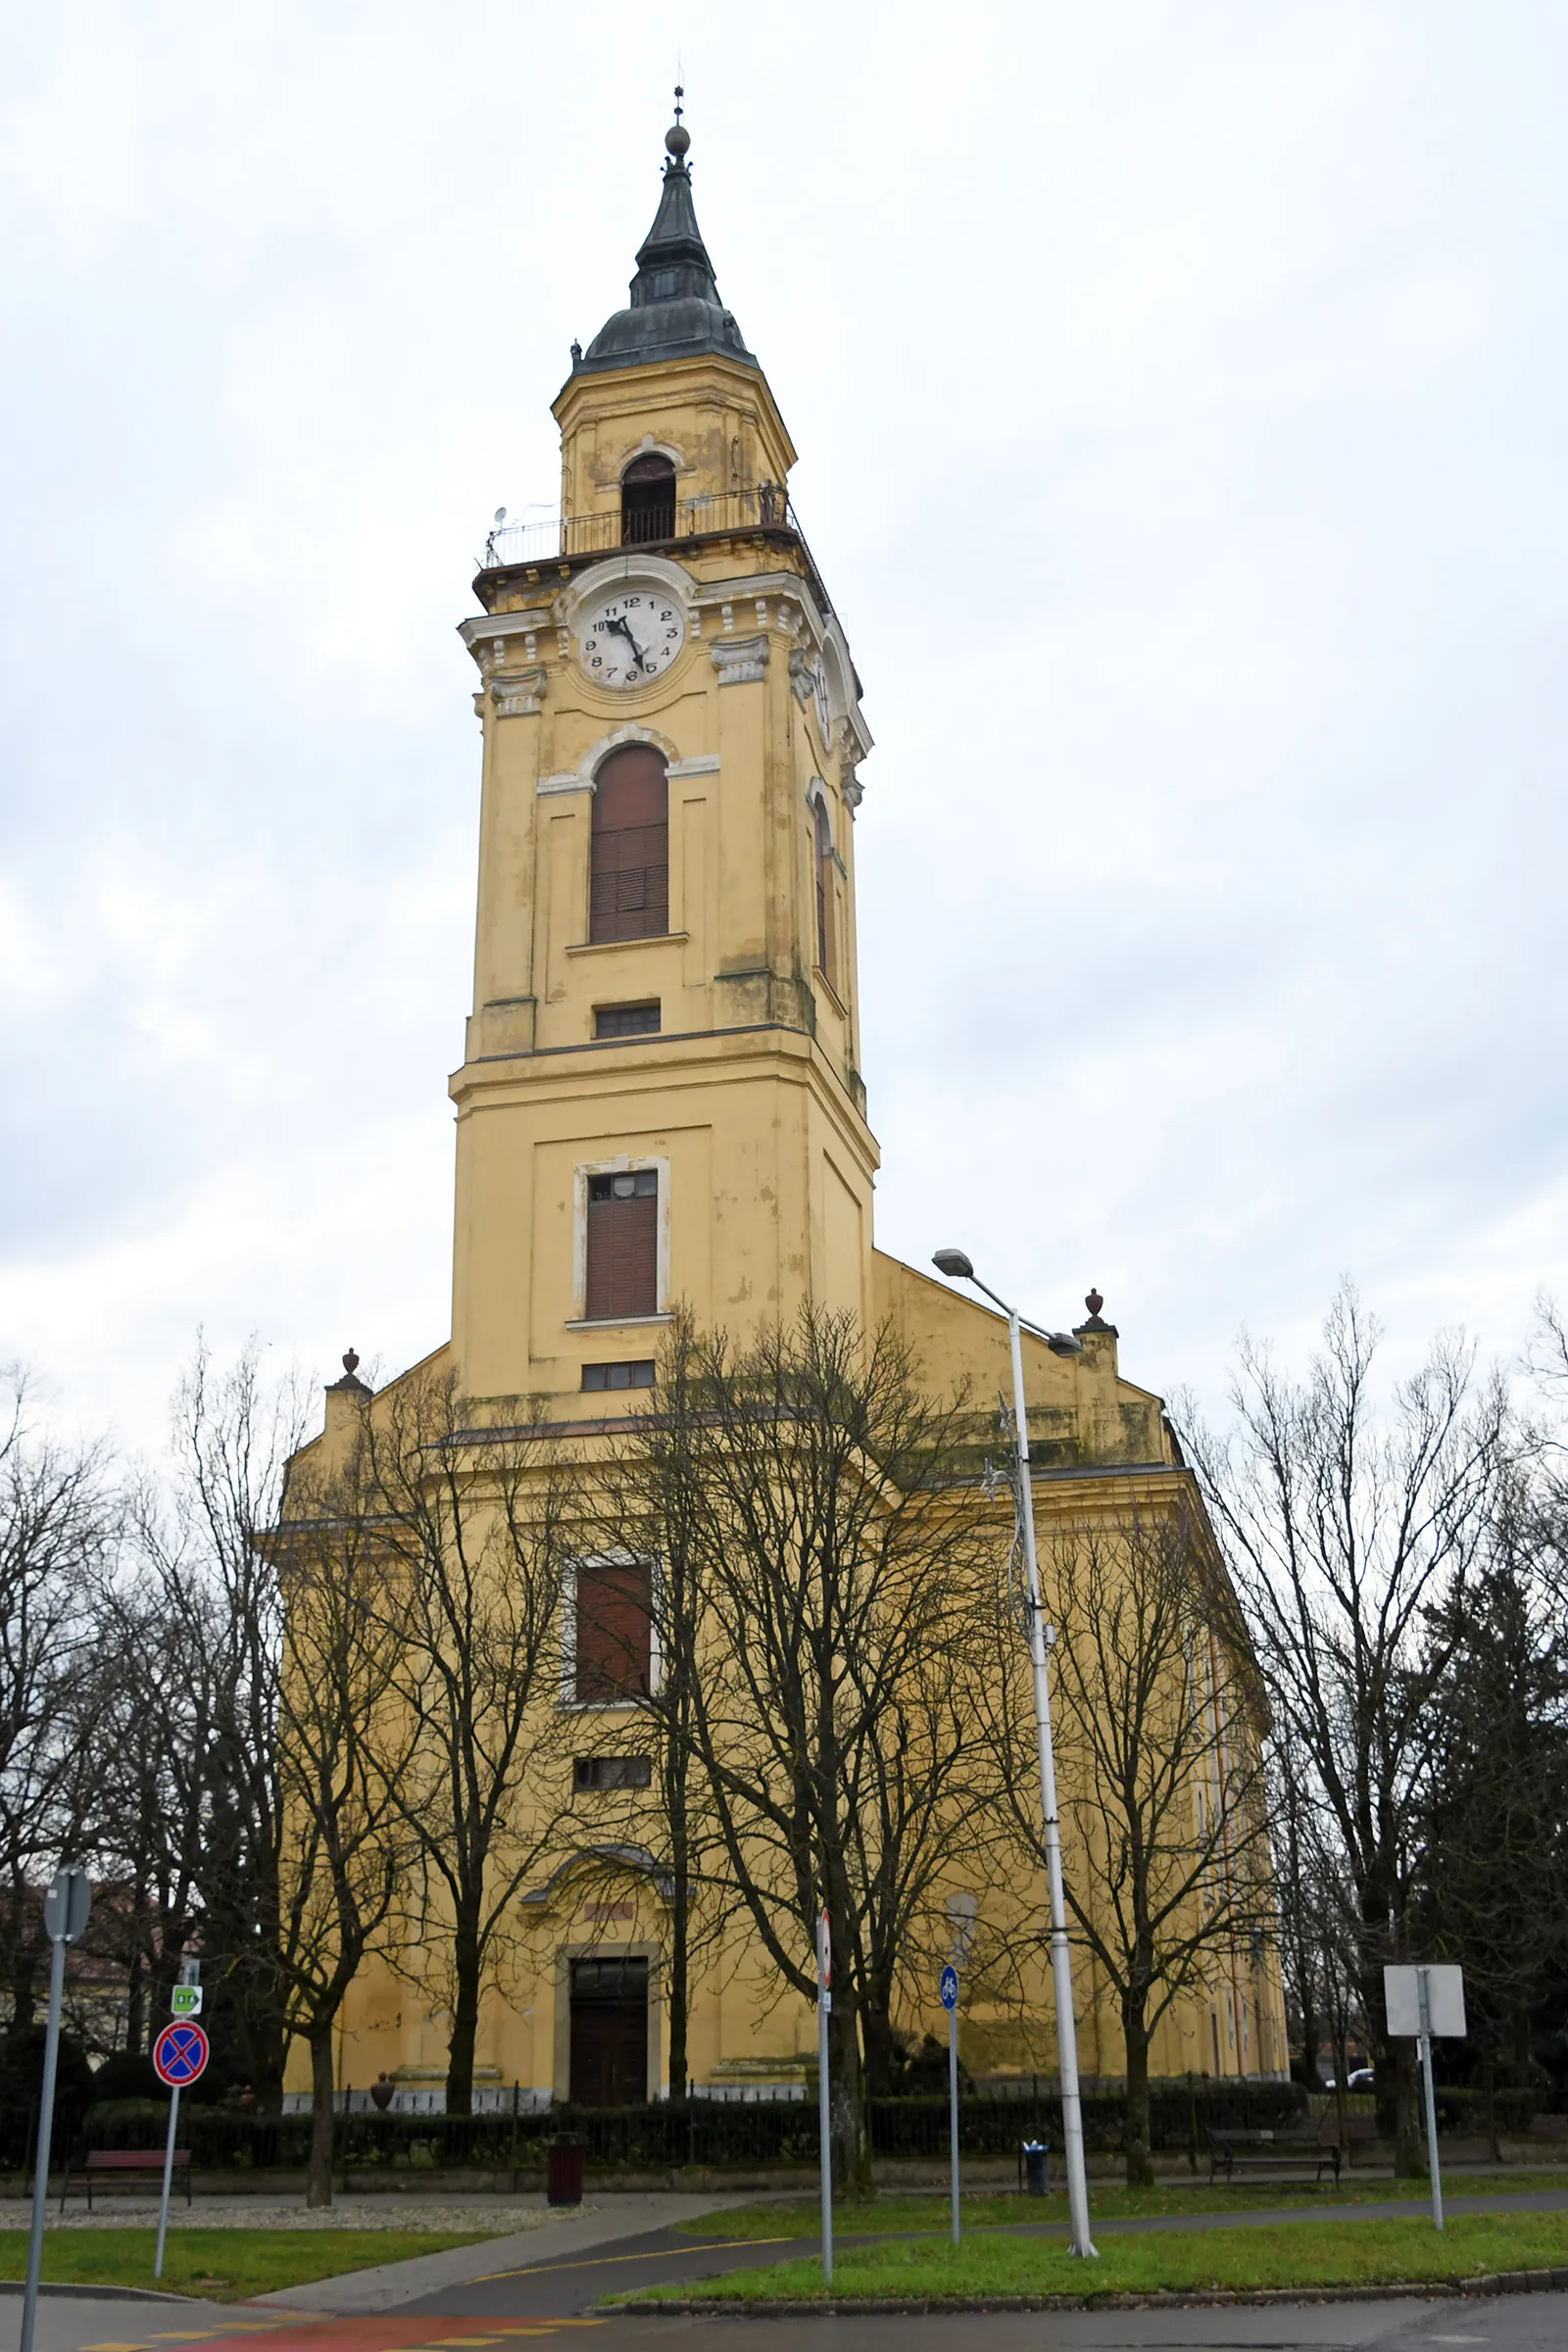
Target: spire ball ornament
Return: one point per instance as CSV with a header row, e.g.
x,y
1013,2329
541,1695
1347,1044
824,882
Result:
x,y
677,138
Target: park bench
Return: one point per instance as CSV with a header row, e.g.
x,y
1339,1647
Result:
x,y
1292,2149
99,2161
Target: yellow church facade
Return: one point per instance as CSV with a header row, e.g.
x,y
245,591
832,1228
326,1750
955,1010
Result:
x,y
661,1109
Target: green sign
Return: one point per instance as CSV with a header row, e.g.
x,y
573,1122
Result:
x,y
185,2001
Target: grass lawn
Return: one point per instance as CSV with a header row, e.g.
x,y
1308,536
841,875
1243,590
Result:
x,y
1292,2254
904,2210
224,2265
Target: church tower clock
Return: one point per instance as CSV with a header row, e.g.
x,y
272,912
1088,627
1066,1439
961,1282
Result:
x,y
661,1099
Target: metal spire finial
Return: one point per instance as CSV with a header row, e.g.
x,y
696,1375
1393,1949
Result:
x,y
678,138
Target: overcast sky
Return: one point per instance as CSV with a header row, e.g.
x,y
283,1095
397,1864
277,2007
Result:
x,y
1181,397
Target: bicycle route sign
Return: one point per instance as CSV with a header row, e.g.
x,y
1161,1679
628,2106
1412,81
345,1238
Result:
x,y
181,2052
948,1987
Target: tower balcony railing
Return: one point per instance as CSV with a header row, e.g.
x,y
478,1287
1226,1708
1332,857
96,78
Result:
x,y
765,507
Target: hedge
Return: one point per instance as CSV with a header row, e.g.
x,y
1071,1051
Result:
x,y
663,2138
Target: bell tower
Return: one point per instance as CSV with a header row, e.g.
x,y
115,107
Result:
x,y
660,1099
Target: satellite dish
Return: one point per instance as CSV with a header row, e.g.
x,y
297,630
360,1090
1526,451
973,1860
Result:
x,y
501,514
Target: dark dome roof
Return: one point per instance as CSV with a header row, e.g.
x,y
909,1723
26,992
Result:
x,y
674,310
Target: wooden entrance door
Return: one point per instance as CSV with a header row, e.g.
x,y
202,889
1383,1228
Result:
x,y
609,2032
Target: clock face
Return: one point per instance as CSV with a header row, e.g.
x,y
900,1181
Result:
x,y
630,637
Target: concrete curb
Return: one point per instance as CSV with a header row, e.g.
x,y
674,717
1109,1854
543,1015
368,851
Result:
x,y
738,2307
100,2294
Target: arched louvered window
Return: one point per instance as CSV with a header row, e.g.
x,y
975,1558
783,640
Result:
x,y
823,861
628,892
647,501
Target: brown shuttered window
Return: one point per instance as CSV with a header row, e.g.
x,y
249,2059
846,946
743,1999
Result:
x,y
622,1246
628,893
615,1631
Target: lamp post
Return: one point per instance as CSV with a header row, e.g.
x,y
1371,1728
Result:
x,y
954,1262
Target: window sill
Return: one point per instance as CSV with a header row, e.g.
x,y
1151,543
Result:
x,y
601,1706
616,1323
607,946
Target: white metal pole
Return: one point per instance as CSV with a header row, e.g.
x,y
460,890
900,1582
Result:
x,y
1072,2125
1424,2044
168,2174
46,2119
824,2136
952,2112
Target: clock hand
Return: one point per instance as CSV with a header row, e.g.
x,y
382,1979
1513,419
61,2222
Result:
x,y
624,628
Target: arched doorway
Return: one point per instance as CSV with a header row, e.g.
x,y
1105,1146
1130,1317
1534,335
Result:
x,y
647,501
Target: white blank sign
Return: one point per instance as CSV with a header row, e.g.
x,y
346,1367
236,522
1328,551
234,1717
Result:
x,y
1445,2000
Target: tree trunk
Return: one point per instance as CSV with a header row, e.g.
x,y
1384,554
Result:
x,y
678,1991
881,2050
1312,2034
319,2175
1409,2162
467,1966
1489,2091
1135,2130
852,2159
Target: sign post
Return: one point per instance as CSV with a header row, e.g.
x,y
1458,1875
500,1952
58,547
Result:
x,y
65,1909
948,1987
824,2003
181,2052
1422,2003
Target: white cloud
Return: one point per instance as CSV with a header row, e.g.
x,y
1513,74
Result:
x,y
1204,367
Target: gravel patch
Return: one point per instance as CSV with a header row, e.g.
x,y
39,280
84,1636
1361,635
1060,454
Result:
x,y
497,2217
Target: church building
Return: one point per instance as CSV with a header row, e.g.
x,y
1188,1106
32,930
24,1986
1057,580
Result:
x,y
661,1102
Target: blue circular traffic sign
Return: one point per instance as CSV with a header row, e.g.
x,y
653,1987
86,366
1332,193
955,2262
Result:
x,y
180,2054
947,1986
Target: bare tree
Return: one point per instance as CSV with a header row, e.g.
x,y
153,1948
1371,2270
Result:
x,y
345,1843
58,1526
1345,1533
823,1672
1158,1729
210,1570
654,1511
476,1525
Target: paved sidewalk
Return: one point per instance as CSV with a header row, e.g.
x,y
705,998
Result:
x,y
561,2236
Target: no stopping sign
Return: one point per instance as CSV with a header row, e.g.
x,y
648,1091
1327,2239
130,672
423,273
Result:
x,y
180,2054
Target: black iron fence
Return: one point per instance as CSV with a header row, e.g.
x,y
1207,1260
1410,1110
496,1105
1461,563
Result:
x,y
663,2138
764,506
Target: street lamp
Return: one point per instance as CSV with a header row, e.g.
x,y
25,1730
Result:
x,y
1061,1342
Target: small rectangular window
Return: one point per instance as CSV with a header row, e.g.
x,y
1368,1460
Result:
x,y
639,1375
612,1772
626,1020
613,1631
622,1246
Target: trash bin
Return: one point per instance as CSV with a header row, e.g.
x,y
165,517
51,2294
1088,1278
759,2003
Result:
x,y
563,2170
1034,2168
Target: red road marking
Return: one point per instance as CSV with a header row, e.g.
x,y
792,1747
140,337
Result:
x,y
387,2332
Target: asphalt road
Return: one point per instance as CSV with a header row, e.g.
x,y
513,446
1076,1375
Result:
x,y
523,2301
1508,2324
